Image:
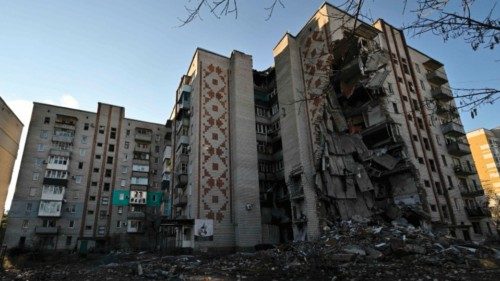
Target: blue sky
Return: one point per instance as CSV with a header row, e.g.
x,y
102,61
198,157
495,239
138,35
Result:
x,y
132,53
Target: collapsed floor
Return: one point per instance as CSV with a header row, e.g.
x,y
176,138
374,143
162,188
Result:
x,y
350,250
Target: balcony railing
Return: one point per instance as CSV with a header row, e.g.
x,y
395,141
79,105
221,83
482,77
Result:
x,y
60,167
50,209
68,139
138,148
458,148
181,201
143,137
453,129
60,152
463,170
136,215
477,212
437,77
47,229
442,93
471,192
64,126
53,194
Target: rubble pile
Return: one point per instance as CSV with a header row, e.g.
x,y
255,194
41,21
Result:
x,y
349,250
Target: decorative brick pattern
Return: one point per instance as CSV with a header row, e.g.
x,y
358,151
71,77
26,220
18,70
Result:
x,y
215,144
316,61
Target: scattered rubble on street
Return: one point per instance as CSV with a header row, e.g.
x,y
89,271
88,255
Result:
x,y
349,250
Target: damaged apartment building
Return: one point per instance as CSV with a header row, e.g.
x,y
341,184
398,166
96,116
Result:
x,y
350,122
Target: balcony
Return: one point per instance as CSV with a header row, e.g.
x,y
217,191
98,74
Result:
x,y
60,167
185,89
135,226
437,77
183,140
53,193
143,149
477,212
67,139
143,137
60,152
55,181
183,179
452,129
463,170
47,229
458,148
181,201
65,126
471,192
442,94
50,209
136,215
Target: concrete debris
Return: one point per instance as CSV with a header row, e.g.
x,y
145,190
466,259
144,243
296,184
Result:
x,y
349,250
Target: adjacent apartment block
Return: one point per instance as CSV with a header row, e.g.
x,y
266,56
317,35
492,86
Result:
x,y
350,121
88,180
484,145
10,134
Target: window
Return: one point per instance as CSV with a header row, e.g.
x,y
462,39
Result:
x,y
120,209
123,183
32,191
29,206
88,227
415,105
394,58
395,107
108,173
82,151
92,198
400,80
86,126
25,223
405,98
111,148
107,186
420,160
438,188
96,170
118,224
71,224
90,212
450,183
432,164
40,147
445,211
72,209
417,68
157,149
411,87
127,133
103,214
444,160
476,227
44,134
46,120
426,144
80,165
94,183
389,88
78,179
101,129
84,139
35,176
420,123
105,200
99,144
427,183
415,138
98,156
433,208
112,135
68,240
422,85
156,161
109,160
127,145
